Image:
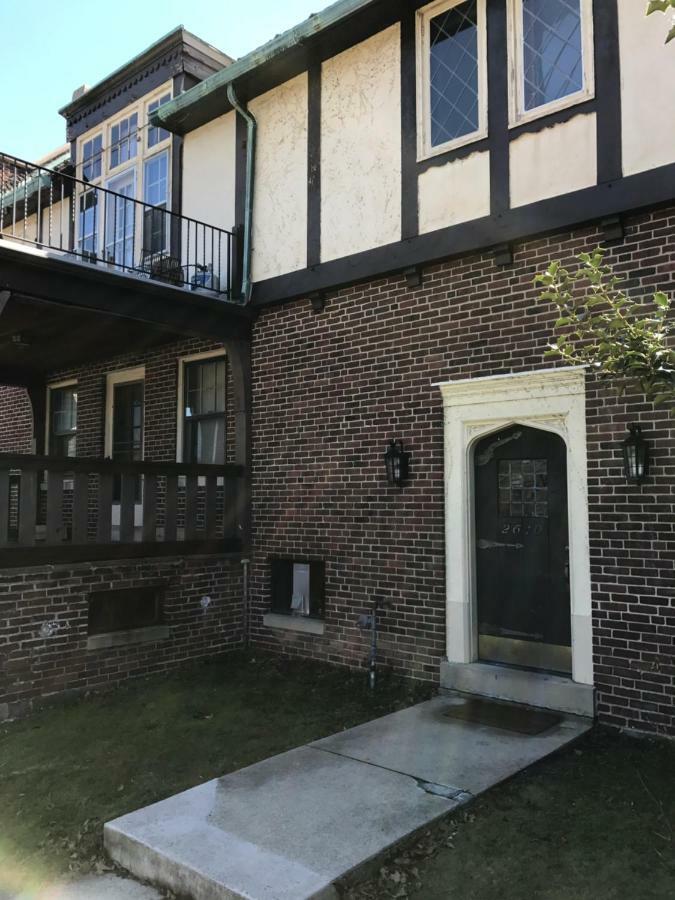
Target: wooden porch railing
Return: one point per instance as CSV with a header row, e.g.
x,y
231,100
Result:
x,y
61,510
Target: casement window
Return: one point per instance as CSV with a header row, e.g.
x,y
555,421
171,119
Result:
x,y
204,403
123,140
62,420
298,587
155,194
155,134
551,56
92,152
451,75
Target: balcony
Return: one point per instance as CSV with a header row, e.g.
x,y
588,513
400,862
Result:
x,y
52,210
60,510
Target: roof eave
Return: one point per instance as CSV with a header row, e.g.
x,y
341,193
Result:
x,y
180,116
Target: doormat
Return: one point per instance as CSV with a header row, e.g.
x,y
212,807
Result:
x,y
505,716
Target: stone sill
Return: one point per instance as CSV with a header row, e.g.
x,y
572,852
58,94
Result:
x,y
293,623
128,638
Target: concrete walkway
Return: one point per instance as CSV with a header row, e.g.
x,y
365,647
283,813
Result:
x,y
289,827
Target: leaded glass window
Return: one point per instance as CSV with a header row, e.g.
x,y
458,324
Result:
x,y
523,488
454,73
553,65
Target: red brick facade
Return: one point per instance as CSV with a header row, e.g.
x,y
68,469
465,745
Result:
x,y
16,421
331,389
35,665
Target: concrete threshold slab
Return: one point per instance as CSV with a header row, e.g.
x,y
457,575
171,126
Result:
x,y
291,826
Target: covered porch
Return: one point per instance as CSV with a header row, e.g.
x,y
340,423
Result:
x,y
58,313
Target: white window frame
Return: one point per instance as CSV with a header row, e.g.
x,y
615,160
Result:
x,y
129,114
517,112
167,140
101,159
123,376
183,361
146,160
55,386
425,150
117,176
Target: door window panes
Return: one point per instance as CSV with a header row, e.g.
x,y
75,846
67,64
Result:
x,y
155,194
121,221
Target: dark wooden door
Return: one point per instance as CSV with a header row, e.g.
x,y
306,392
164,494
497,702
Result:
x,y
522,553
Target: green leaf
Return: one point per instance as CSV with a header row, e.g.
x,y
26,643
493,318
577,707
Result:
x,y
671,35
662,300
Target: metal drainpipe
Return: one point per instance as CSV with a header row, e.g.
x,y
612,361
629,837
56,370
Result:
x,y
252,131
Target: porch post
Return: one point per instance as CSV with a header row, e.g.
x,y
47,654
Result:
x,y
37,394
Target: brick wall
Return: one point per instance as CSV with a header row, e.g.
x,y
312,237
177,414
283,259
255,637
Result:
x,y
34,666
16,420
161,398
331,389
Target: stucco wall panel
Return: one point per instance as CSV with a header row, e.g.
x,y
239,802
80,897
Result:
x,y
209,172
647,90
456,192
361,147
280,198
555,161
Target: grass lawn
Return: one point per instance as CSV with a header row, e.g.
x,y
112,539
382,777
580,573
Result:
x,y
595,822
67,770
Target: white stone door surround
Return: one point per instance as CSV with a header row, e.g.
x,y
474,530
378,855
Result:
x,y
549,399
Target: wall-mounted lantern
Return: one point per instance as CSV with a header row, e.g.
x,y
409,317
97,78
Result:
x,y
396,461
636,456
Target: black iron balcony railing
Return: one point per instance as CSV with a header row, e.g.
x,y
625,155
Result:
x,y
56,509
54,210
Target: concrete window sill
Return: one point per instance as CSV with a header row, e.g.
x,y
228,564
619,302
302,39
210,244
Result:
x,y
128,638
293,623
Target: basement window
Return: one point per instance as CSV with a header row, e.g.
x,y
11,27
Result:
x,y
298,588
125,610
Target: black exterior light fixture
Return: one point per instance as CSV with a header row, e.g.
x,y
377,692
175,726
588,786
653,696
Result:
x,y
635,456
397,463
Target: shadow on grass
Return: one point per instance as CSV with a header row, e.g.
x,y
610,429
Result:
x,y
593,822
67,770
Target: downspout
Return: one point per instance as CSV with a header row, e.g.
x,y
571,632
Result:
x,y
251,133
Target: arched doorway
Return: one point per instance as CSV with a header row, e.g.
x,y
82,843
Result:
x,y
522,549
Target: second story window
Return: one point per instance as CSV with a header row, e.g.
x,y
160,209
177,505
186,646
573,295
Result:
x,y
157,135
451,47
123,140
62,435
91,158
551,55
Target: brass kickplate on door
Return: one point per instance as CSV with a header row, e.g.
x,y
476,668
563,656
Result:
x,y
505,716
